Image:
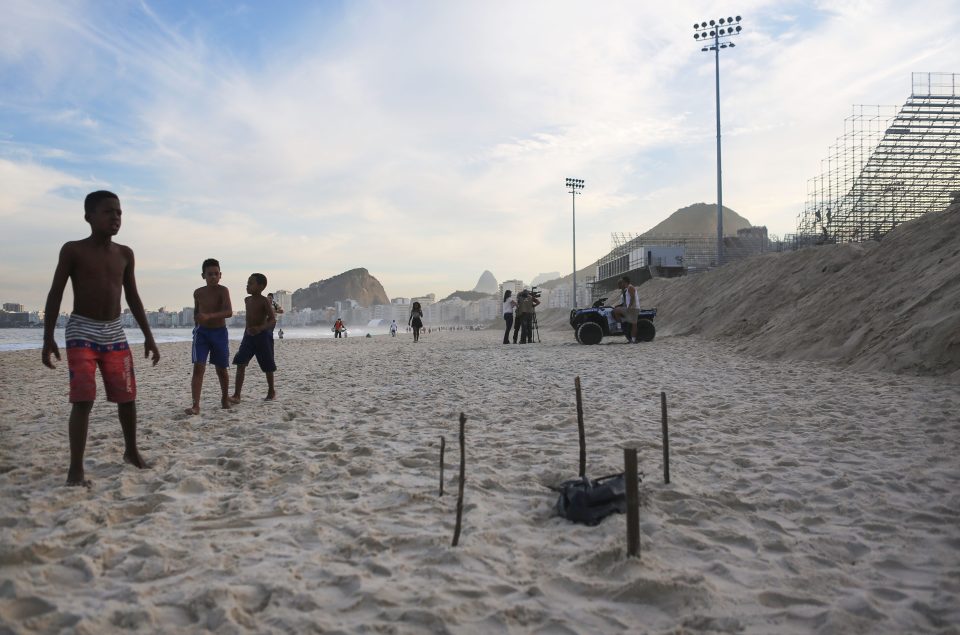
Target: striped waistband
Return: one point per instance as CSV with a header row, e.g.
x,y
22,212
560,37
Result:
x,y
82,332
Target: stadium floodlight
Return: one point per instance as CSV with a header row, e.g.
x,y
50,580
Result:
x,y
574,186
719,36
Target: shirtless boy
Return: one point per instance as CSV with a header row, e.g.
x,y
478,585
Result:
x,y
258,337
211,308
99,271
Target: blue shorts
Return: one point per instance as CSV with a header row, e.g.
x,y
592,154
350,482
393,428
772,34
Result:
x,y
212,344
259,346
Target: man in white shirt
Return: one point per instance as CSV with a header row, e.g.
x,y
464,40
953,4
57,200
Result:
x,y
629,309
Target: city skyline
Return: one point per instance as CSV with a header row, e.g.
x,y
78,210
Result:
x,y
424,142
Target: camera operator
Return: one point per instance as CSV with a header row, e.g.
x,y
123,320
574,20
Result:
x,y
526,305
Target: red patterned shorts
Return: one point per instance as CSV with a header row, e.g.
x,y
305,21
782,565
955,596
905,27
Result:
x,y
92,344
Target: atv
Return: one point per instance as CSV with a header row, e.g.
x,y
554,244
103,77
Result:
x,y
591,325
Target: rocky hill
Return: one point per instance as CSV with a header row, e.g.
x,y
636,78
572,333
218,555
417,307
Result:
x,y
469,296
487,283
356,284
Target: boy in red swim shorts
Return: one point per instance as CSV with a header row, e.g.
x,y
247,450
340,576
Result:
x,y
100,271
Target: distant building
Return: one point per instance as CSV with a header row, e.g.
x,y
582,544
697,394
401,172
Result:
x,y
9,319
14,307
430,298
284,299
514,285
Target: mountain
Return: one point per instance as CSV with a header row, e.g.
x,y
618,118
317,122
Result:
x,y
487,283
545,277
356,284
699,218
469,296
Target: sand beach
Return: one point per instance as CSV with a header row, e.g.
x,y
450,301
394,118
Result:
x,y
804,497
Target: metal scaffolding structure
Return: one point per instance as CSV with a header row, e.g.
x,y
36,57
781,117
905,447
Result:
x,y
890,166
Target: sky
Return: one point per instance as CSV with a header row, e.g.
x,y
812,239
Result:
x,y
424,141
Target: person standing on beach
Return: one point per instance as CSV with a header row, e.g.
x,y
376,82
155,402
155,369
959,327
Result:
x,y
509,304
525,309
257,338
393,328
416,320
211,308
338,328
99,270
629,308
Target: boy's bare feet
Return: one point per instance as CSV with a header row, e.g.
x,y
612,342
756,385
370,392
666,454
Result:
x,y
134,459
225,403
235,399
271,395
195,410
77,480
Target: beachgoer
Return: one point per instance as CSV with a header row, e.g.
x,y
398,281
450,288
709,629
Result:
x,y
280,333
257,338
416,320
393,329
509,304
525,312
629,308
338,328
211,308
100,270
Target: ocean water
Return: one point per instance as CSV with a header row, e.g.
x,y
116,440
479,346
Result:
x,y
32,338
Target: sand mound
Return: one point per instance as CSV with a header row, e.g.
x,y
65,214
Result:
x,y
892,305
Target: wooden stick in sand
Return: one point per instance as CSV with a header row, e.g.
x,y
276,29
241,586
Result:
x,y
631,477
583,440
463,470
666,438
443,446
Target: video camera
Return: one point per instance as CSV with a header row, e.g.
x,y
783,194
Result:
x,y
534,292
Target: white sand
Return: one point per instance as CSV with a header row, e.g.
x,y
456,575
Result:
x,y
805,497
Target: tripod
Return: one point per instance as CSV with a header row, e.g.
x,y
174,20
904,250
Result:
x,y
536,328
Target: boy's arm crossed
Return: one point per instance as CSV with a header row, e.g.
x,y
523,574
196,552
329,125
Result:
x,y
136,308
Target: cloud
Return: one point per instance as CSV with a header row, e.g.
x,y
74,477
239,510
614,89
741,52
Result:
x,y
428,142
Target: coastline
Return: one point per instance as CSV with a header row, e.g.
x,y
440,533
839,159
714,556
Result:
x,y
804,496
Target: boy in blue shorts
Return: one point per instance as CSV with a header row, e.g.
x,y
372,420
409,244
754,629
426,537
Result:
x,y
257,338
211,308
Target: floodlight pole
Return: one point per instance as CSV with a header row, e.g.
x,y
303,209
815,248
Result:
x,y
716,50
575,185
720,31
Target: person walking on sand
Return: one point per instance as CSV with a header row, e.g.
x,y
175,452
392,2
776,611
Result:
x,y
416,320
100,270
509,304
393,329
211,308
257,338
338,328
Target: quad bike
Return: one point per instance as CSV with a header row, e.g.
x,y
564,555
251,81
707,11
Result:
x,y
591,325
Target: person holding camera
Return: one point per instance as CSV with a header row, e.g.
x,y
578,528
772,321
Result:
x,y
525,312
